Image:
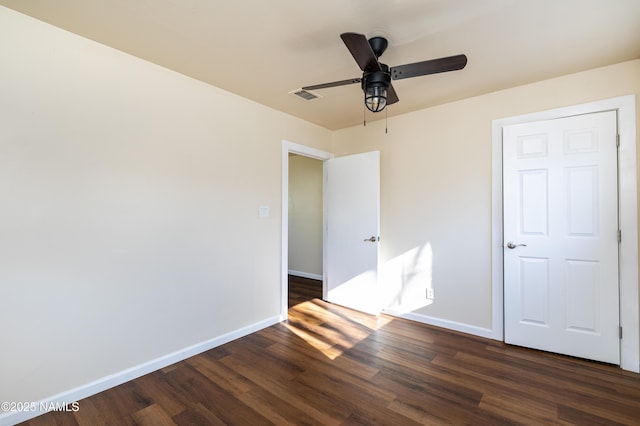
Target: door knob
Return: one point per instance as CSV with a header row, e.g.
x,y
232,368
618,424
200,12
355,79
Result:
x,y
513,245
373,239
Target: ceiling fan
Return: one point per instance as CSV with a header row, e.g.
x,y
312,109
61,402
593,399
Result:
x,y
376,76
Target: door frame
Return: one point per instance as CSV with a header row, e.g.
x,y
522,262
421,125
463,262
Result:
x,y
289,147
628,218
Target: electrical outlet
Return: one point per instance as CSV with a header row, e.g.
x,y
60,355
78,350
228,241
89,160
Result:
x,y
430,293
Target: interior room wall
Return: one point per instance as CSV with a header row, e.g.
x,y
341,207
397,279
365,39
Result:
x,y
130,225
305,216
129,231
436,191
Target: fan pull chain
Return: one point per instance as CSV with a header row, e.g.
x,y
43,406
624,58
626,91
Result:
x,y
364,116
386,116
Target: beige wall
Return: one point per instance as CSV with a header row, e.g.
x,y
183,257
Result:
x,y
305,216
436,189
129,226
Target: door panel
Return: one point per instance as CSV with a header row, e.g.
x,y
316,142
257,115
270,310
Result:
x,y
582,295
560,214
582,204
534,286
352,206
534,202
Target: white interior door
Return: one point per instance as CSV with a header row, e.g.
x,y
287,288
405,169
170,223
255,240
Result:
x,y
561,236
352,210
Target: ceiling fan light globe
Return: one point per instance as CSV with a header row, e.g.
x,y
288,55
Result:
x,y
376,98
376,87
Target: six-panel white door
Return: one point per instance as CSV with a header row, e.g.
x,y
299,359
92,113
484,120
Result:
x,y
352,207
561,289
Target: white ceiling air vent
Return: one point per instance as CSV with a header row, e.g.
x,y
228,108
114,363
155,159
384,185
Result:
x,y
305,94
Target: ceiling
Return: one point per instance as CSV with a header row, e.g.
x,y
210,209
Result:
x,y
262,50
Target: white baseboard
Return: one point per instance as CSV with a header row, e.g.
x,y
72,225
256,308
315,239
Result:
x,y
450,325
305,275
107,382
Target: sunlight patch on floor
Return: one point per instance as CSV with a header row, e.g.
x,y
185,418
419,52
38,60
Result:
x,y
317,343
331,329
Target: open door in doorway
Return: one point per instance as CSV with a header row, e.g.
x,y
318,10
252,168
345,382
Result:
x,y
352,229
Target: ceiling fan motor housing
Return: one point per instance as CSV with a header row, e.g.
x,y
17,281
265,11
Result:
x,y
375,85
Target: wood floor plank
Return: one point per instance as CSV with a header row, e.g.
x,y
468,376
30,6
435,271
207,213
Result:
x,y
155,386
55,418
285,390
109,413
379,417
198,414
234,383
88,414
196,387
575,416
417,413
573,387
429,394
302,289
329,365
294,346
153,415
510,406
541,386
276,410
346,377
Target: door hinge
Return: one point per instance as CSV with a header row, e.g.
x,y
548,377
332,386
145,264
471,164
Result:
x,y
620,332
618,140
619,235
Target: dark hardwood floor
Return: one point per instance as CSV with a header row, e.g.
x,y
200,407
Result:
x,y
328,365
303,289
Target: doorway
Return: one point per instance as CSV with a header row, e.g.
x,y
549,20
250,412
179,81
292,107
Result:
x,y
288,149
305,217
305,257
350,230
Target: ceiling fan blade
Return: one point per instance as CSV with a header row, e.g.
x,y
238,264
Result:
x,y
392,96
433,66
361,51
333,84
